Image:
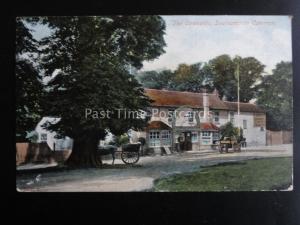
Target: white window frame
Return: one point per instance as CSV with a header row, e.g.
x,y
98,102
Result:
x,y
194,137
206,133
154,138
165,137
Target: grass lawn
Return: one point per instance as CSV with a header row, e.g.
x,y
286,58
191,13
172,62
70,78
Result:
x,y
251,175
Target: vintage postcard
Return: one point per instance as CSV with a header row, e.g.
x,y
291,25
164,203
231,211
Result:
x,y
154,103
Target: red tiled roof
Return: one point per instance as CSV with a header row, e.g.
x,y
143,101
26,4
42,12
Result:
x,y
208,126
195,100
244,107
178,98
158,125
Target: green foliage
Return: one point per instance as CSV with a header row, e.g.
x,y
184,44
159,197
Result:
x,y
185,78
219,73
276,97
32,136
228,130
156,80
29,89
223,71
90,57
192,78
121,140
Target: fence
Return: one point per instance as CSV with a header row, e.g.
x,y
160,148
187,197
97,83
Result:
x,y
279,137
38,152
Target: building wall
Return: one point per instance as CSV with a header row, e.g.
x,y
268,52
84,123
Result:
x,y
162,115
254,135
60,144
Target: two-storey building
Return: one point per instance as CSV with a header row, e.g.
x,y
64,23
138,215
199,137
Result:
x,y
192,120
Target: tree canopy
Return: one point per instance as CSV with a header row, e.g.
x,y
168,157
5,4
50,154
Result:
x,y
29,88
276,97
88,58
218,73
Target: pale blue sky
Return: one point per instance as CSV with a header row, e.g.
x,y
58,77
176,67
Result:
x,y
192,39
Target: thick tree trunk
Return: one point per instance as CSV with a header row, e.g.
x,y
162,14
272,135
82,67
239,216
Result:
x,y
84,153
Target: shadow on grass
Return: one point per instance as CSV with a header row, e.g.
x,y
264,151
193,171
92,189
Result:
x,y
64,168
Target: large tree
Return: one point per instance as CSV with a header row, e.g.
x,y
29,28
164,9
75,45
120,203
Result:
x,y
223,70
185,78
28,82
192,78
276,97
88,58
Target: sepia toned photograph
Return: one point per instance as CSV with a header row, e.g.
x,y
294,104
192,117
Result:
x,y
154,103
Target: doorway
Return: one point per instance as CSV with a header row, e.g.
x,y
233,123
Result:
x,y
185,141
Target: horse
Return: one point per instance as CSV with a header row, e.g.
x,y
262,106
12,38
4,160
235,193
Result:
x,y
108,149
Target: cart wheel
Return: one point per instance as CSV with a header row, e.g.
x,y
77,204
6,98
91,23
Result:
x,y
130,157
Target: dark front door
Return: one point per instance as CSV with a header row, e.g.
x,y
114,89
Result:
x,y
187,146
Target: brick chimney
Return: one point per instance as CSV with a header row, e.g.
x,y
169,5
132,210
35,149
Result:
x,y
205,106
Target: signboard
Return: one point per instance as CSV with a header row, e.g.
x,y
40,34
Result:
x,y
259,120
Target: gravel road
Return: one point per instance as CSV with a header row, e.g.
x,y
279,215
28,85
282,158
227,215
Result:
x,y
140,177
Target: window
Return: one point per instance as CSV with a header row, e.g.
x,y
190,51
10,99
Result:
x,y
231,117
245,124
194,136
205,133
43,137
165,137
217,117
190,116
165,134
216,136
154,139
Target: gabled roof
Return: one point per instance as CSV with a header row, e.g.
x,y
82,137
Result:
x,y
166,98
208,127
157,125
179,98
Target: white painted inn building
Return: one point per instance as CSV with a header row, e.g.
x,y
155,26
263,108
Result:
x,y
197,121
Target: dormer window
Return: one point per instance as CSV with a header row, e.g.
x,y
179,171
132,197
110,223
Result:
x,y
216,117
190,116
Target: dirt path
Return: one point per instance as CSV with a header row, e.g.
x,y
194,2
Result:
x,y
139,177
